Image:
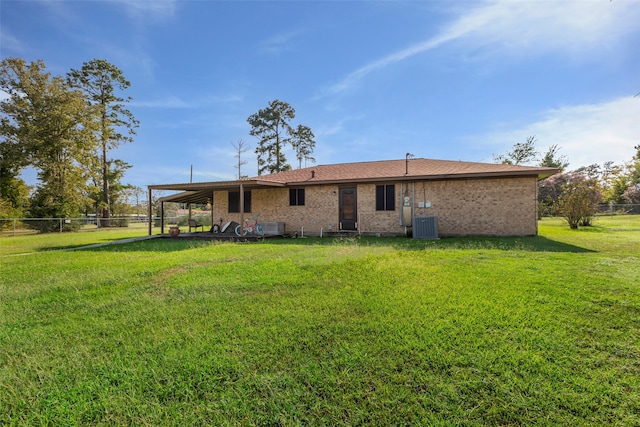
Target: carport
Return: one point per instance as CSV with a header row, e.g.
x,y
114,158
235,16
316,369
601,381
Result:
x,y
202,193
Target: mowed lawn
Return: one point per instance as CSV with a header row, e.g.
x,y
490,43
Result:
x,y
372,331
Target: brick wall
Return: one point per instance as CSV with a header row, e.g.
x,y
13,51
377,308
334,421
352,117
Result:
x,y
500,207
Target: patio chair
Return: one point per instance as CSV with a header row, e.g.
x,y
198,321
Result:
x,y
193,224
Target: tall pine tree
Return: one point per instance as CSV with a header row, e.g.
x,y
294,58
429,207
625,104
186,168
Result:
x,y
101,82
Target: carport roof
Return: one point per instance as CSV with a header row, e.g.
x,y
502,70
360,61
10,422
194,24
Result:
x,y
202,192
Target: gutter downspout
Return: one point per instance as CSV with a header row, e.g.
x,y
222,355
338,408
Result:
x,y
400,210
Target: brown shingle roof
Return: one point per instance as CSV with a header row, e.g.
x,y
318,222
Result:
x,y
397,170
379,171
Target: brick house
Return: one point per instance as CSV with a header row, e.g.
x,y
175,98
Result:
x,y
380,197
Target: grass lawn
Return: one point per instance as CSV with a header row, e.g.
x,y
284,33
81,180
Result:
x,y
373,331
28,243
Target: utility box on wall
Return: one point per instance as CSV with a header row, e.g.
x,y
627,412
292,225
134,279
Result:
x,y
406,215
425,227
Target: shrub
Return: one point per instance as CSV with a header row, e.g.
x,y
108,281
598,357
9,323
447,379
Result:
x,y
578,203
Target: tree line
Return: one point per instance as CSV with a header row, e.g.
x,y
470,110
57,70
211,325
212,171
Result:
x,y
64,127
577,194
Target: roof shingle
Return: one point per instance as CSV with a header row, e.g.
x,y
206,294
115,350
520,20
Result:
x,y
397,170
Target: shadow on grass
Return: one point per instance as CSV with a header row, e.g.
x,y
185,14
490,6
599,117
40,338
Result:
x,y
105,242
530,244
157,245
527,244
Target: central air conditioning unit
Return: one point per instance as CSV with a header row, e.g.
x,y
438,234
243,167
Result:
x,y
425,227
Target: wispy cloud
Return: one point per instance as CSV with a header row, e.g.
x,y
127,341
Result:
x,y
154,8
521,28
179,103
9,43
278,43
517,27
587,134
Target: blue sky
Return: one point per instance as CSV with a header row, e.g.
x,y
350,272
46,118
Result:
x,y
454,80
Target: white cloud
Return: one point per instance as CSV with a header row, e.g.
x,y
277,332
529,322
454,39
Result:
x,y
278,43
157,8
587,134
533,27
169,102
10,43
179,103
522,28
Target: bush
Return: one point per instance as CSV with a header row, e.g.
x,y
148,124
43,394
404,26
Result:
x,y
53,225
578,203
114,222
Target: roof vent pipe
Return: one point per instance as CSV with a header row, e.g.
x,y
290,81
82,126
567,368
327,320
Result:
x,y
313,174
407,158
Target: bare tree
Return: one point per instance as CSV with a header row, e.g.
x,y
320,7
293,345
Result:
x,y
240,147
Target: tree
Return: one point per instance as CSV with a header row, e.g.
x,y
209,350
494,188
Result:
x,y
617,185
117,190
13,190
271,126
14,155
522,153
551,159
15,197
100,81
634,167
550,190
578,203
303,144
241,148
50,127
632,194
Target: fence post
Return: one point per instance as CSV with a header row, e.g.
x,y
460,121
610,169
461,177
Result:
x,y
61,225
15,223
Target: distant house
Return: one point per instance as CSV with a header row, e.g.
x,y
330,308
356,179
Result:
x,y
380,197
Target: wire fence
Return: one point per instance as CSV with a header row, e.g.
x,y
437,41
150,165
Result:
x,y
20,226
619,209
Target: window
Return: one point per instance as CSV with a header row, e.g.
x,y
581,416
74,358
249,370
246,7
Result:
x,y
234,201
296,197
386,197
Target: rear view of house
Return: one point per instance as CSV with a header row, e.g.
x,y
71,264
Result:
x,y
381,197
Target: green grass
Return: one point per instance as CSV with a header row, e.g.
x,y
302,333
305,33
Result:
x,y
467,331
28,243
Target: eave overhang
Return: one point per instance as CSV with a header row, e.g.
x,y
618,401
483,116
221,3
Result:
x,y
202,192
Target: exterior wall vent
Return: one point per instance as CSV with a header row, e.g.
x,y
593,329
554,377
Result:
x,y
425,227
